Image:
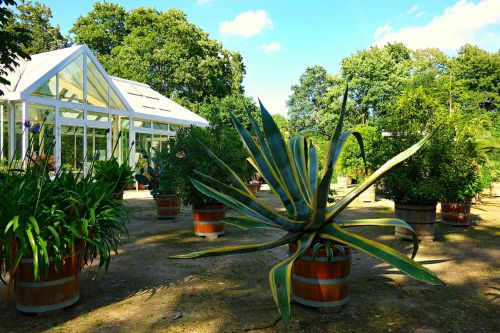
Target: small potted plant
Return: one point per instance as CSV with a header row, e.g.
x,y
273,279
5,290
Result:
x,y
51,226
142,164
161,176
189,148
309,220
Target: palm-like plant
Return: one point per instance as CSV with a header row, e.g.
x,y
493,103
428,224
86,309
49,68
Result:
x,y
291,170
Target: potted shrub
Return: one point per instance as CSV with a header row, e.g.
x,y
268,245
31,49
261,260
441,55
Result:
x,y
461,180
189,148
161,176
309,221
51,226
142,164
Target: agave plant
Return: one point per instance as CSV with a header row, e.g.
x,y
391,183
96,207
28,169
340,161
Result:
x,y
291,170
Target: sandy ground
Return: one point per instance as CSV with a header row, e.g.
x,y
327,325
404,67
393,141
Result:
x,y
143,291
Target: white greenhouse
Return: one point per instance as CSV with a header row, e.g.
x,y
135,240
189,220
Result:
x,y
85,108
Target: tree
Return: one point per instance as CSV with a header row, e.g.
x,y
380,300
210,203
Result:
x,y
12,42
375,76
162,49
308,99
216,110
282,124
35,18
103,29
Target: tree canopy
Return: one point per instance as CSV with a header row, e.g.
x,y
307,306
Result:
x,y
162,49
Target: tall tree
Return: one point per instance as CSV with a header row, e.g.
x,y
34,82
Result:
x,y
308,99
35,17
375,76
12,42
164,50
102,29
217,110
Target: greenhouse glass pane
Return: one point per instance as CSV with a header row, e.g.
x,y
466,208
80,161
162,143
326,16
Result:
x,y
97,86
71,148
115,101
47,89
71,81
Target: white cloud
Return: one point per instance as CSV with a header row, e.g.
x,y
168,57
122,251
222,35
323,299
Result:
x,y
246,24
457,26
203,2
413,9
420,14
272,47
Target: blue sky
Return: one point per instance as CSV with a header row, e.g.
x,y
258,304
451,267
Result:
x,y
280,38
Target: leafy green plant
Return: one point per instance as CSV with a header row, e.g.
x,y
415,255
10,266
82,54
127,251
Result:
x,y
56,215
291,170
189,150
161,172
117,175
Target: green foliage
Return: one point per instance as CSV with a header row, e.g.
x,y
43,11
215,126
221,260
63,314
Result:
x,y
13,42
162,49
59,214
308,99
35,18
217,110
291,170
351,163
162,171
189,149
117,175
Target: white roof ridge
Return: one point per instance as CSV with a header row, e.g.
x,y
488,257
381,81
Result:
x,y
130,81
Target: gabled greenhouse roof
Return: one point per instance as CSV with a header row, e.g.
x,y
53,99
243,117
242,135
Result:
x,y
149,104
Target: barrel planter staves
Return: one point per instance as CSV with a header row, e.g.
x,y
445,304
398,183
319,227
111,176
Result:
x,y
167,206
456,212
208,220
60,289
422,218
321,283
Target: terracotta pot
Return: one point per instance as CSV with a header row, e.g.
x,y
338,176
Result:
x,y
61,287
167,206
207,219
495,189
141,187
422,218
456,212
321,283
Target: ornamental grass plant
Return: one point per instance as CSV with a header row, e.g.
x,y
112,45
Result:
x,y
58,215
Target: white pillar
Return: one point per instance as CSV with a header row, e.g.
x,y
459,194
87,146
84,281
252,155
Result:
x,y
12,131
25,131
2,153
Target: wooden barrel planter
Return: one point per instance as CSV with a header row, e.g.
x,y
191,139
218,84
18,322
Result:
x,y
167,206
207,220
344,181
422,218
118,195
456,212
60,289
253,187
495,189
321,283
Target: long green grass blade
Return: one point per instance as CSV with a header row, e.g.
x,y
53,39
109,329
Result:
x,y
246,223
395,258
381,223
239,248
279,277
242,202
265,167
332,146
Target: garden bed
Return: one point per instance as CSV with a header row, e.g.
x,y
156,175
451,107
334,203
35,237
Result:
x,y
145,291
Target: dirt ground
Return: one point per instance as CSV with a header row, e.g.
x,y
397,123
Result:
x,y
143,291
